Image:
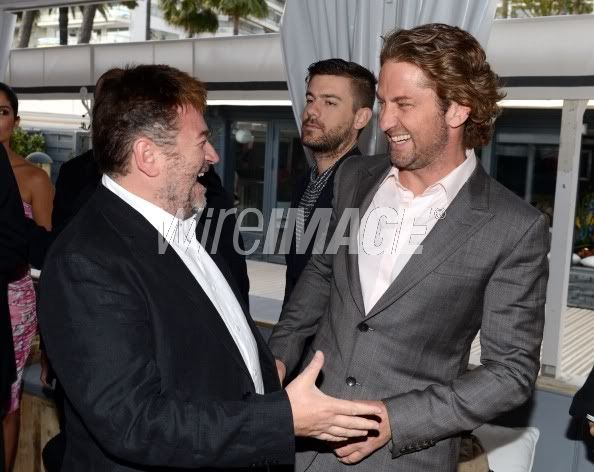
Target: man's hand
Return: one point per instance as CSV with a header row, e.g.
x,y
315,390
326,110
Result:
x,y
591,424
46,375
356,450
320,416
281,370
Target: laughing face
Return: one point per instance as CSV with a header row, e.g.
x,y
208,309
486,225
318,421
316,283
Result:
x,y
411,117
192,156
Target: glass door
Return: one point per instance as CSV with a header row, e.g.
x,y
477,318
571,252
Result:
x,y
266,158
248,151
289,164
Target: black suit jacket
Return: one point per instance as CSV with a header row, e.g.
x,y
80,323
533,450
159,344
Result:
x,y
13,255
583,402
76,182
296,262
151,375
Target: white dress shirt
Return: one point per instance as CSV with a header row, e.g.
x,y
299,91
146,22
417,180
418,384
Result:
x,y
181,235
396,224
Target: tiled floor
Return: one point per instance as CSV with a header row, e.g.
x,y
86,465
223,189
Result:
x,y
266,280
267,285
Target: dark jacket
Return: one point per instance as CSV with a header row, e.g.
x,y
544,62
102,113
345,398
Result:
x,y
583,401
76,182
13,254
297,262
151,375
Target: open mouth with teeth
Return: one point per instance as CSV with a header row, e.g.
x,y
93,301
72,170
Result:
x,y
400,138
203,171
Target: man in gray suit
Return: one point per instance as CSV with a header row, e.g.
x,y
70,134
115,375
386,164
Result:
x,y
443,250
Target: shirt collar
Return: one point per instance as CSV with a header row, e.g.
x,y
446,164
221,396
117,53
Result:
x,y
173,229
451,183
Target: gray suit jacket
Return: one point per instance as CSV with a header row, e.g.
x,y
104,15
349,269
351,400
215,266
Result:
x,y
484,266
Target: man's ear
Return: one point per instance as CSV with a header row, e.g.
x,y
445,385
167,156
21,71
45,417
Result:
x,y
457,115
362,117
144,154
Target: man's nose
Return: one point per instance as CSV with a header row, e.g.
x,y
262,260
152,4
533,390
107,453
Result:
x,y
211,154
311,110
387,118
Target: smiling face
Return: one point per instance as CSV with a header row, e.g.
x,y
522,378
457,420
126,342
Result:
x,y
328,120
8,121
411,117
191,156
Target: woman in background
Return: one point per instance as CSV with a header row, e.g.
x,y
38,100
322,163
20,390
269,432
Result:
x,y
37,195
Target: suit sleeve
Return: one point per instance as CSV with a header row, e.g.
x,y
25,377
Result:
x,y
61,213
511,333
583,401
306,302
99,339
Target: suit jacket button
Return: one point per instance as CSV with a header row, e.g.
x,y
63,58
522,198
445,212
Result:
x,y
363,327
351,381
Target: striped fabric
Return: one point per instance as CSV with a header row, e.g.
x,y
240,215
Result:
x,y
309,198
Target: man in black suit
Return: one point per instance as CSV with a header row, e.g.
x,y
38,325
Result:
x,y
13,254
160,363
339,103
77,181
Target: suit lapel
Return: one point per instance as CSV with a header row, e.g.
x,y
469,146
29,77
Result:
x,y
467,213
368,181
143,241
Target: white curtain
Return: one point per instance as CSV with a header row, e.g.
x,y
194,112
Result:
x,y
351,29
7,21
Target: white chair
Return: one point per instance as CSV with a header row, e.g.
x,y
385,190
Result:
x,y
508,449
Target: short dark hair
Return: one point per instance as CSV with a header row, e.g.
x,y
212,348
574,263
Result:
x,y
457,68
140,101
362,80
12,97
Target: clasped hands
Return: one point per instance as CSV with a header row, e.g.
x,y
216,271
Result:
x,y
355,429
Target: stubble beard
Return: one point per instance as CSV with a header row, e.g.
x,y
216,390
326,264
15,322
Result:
x,y
328,142
178,198
197,198
422,157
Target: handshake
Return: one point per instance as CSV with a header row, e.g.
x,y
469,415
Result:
x,y
345,423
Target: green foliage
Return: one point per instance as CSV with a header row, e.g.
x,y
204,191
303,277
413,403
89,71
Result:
x,y
531,8
102,8
240,8
194,16
24,143
199,16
